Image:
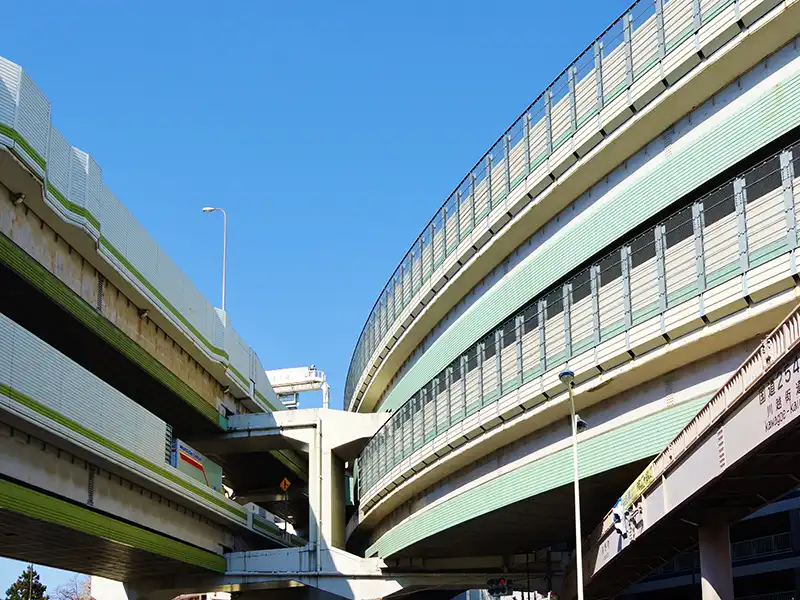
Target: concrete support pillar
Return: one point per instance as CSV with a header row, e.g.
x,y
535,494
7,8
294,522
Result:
x,y
325,492
716,571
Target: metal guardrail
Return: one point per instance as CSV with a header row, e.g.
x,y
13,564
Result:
x,y
760,547
768,545
647,35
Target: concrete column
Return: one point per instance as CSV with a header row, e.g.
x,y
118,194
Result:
x,y
716,572
325,492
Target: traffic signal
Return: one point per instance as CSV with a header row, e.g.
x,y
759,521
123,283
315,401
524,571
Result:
x,y
500,587
618,516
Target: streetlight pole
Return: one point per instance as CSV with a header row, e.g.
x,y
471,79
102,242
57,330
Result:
x,y
567,377
210,209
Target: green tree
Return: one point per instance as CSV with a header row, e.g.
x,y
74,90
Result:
x,y
27,587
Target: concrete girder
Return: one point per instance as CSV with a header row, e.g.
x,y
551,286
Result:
x,y
341,575
294,429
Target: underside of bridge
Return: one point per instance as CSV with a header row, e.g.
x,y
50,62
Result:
x,y
90,542
542,520
43,543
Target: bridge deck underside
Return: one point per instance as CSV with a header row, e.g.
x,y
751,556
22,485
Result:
x,y
770,473
31,540
531,524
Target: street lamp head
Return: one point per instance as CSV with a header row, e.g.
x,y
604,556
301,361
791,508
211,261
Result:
x,y
580,424
566,376
208,209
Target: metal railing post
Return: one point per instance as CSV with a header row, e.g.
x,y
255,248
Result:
x,y
518,330
627,24
542,346
787,178
662,42
700,264
548,124
594,278
489,162
473,193
527,143
498,364
661,266
625,258
740,198
598,73
566,296
507,150
573,105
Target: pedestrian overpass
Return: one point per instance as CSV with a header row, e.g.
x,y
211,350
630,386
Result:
x,y
740,452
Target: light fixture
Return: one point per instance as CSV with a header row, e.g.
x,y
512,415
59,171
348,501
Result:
x,y
580,424
19,199
566,376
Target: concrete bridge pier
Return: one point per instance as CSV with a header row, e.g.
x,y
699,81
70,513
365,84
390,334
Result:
x,y
716,571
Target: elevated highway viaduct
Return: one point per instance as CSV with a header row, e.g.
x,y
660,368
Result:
x,y
637,225
110,362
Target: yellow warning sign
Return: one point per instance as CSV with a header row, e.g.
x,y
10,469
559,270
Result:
x,y
285,484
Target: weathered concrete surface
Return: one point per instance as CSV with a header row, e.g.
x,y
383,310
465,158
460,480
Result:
x,y
32,234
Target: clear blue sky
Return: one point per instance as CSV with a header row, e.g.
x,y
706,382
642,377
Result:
x,y
329,131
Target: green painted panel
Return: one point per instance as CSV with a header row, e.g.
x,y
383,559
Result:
x,y
578,347
641,315
642,69
611,330
760,120
626,444
681,295
23,143
679,38
511,385
615,92
557,143
723,274
24,501
530,375
715,10
766,253
587,116
539,160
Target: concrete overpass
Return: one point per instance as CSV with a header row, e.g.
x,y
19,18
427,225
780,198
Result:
x,y
637,224
109,355
643,238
